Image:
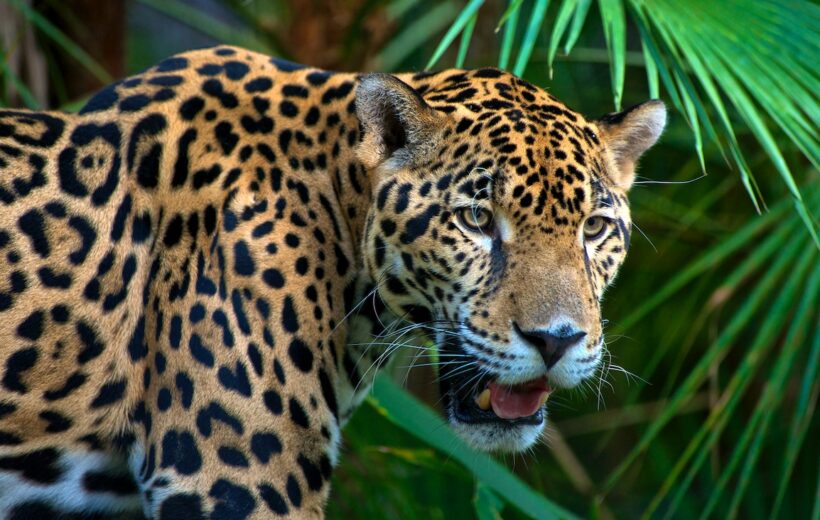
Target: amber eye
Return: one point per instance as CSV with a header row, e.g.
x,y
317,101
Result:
x,y
476,219
594,227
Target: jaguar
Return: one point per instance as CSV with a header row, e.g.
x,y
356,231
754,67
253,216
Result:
x,y
197,270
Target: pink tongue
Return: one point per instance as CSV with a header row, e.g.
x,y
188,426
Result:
x,y
512,402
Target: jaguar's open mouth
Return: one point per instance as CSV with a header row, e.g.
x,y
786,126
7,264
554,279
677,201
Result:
x,y
489,414
491,401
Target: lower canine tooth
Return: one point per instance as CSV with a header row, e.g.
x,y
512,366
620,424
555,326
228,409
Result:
x,y
483,399
546,398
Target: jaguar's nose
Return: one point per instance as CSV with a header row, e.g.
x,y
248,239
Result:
x,y
551,343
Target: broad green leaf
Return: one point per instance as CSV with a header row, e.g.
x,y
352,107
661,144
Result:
x,y
407,412
487,504
426,458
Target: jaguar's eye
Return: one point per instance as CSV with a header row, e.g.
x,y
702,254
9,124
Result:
x,y
594,227
476,219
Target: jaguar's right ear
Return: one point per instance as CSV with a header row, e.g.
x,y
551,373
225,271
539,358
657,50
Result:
x,y
398,125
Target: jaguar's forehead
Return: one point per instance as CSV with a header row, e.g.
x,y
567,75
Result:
x,y
486,94
518,145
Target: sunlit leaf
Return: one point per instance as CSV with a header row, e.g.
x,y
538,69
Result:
x,y
509,13
614,19
509,36
466,36
746,79
578,20
461,21
651,73
539,9
562,19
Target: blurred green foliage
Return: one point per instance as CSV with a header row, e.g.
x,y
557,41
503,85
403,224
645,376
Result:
x,y
714,317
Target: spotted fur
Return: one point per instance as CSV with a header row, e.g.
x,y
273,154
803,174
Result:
x,y
190,266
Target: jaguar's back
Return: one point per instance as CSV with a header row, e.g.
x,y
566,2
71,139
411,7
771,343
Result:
x,y
146,244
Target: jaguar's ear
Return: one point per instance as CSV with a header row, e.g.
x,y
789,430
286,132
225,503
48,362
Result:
x,y
628,134
397,123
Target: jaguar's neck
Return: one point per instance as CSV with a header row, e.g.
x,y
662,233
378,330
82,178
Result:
x,y
373,331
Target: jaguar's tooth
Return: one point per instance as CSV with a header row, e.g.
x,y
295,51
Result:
x,y
483,399
546,398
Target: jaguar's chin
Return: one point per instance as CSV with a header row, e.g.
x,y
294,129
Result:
x,y
499,438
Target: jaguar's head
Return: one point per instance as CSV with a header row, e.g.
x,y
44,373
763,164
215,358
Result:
x,y
499,217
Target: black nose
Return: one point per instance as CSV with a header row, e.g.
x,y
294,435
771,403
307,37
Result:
x,y
551,344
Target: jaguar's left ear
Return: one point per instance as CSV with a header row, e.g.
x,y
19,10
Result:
x,y
628,134
398,124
